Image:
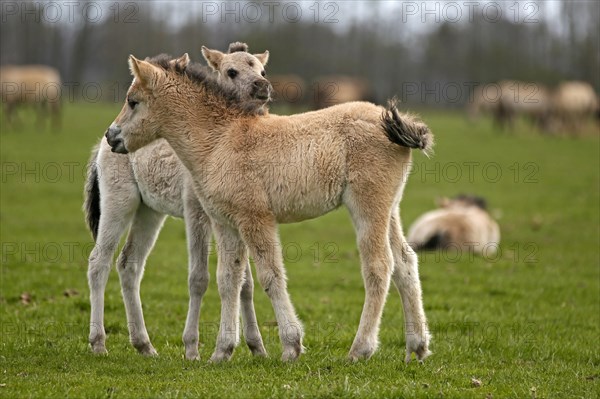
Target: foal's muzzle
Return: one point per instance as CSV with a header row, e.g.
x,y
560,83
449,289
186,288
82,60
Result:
x,y
261,89
113,136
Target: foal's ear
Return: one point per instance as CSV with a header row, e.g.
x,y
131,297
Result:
x,y
442,202
144,72
181,62
213,57
263,58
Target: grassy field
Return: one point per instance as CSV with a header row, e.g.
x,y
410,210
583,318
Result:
x,y
525,323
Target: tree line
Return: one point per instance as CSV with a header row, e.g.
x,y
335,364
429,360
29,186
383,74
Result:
x,y
400,50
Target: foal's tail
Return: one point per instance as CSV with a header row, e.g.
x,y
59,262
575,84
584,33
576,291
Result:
x,y
91,203
438,240
406,130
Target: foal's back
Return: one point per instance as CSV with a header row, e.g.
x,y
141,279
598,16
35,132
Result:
x,y
300,166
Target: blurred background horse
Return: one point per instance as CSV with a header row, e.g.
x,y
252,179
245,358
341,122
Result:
x,y
38,86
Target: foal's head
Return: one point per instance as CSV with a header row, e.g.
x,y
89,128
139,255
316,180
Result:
x,y
241,71
463,201
162,84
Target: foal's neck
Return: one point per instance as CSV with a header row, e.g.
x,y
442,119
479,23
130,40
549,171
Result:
x,y
197,126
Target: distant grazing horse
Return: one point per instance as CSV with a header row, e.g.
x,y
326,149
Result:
x,y
37,85
356,154
140,189
461,222
338,89
508,99
572,103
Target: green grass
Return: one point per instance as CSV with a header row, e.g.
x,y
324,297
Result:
x,y
526,324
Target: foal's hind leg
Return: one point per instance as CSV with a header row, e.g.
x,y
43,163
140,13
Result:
x,y
142,236
113,222
376,265
406,279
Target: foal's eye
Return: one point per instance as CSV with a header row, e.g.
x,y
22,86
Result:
x,y
132,103
263,73
232,73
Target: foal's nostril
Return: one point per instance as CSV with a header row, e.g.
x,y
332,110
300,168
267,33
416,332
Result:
x,y
261,84
114,139
261,89
112,132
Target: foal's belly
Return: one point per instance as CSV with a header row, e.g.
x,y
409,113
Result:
x,y
306,182
305,200
300,213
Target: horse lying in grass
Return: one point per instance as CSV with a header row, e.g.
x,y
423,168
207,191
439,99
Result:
x,y
252,172
141,189
462,222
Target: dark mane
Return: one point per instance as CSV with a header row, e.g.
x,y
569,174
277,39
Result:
x,y
203,76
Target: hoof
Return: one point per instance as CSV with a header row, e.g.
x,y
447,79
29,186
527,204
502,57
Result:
x,y
362,350
192,355
360,354
222,355
149,353
146,349
98,344
99,349
291,353
421,354
219,357
420,347
257,349
260,353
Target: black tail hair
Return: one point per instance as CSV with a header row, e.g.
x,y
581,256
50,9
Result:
x,y
436,241
406,130
91,202
479,202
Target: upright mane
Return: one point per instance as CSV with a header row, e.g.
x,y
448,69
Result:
x,y
237,47
204,77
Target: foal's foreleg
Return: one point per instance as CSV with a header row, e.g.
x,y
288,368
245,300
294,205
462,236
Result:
x,y
406,279
198,232
231,268
112,225
251,331
263,243
130,264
